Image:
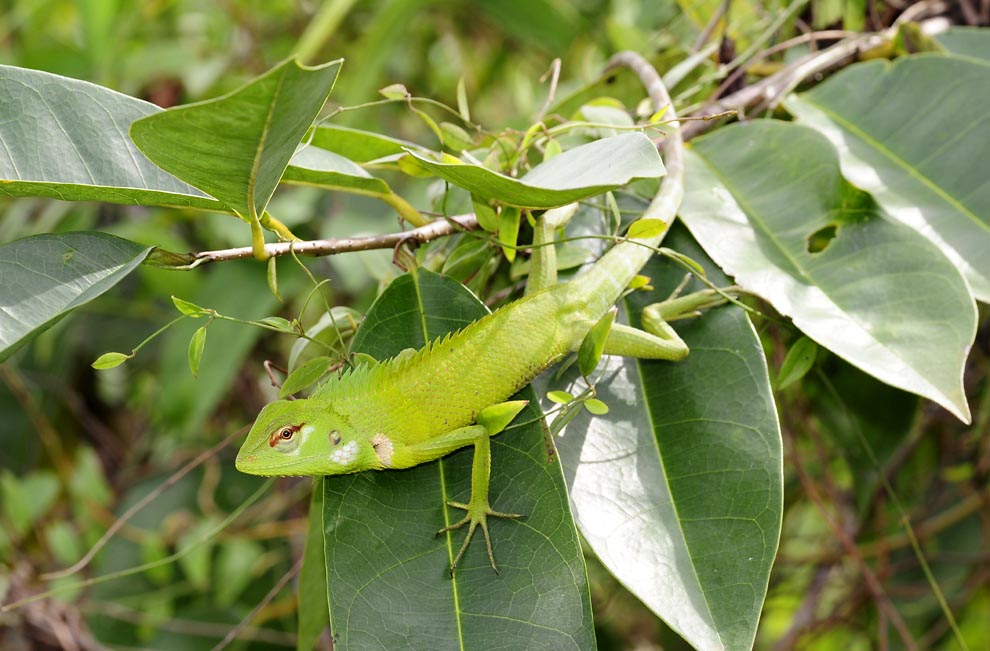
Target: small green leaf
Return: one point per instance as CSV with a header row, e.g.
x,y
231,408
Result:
x,y
455,137
645,229
508,231
189,309
63,542
278,323
497,417
615,221
593,345
273,278
656,117
394,91
195,560
552,149
27,498
560,397
153,549
486,215
304,376
234,568
596,406
197,344
110,360
800,358
462,100
640,282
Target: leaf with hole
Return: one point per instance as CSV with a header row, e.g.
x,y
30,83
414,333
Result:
x,y
880,295
911,134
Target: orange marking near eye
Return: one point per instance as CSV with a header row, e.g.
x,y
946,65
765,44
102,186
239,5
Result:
x,y
276,436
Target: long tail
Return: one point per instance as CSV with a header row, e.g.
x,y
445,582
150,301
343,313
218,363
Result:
x,y
610,276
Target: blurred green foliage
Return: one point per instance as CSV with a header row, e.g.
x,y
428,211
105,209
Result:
x,y
80,447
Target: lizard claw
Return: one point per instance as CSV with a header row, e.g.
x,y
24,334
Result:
x,y
477,515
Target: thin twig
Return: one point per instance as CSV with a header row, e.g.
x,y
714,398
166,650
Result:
x,y
140,504
767,92
706,33
554,74
807,37
246,622
872,583
433,230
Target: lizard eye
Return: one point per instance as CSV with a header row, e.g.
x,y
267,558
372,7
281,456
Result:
x,y
284,439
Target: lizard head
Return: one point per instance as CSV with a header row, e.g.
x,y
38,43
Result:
x,y
302,437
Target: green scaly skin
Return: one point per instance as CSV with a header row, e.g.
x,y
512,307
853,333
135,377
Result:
x,y
384,416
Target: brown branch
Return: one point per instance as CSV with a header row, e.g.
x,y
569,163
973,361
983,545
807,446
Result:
x,y
434,230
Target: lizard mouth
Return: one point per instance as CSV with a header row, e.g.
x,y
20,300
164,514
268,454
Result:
x,y
248,464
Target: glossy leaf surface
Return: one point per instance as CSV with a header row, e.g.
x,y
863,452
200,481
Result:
x,y
67,139
921,153
767,202
678,489
47,276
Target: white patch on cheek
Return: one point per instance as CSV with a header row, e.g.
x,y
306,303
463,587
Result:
x,y
346,454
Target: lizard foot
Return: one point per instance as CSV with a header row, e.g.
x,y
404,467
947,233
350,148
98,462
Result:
x,y
477,516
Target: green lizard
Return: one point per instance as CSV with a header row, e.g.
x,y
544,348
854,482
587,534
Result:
x,y
385,416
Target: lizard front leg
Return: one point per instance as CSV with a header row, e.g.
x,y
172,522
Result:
x,y
490,422
478,508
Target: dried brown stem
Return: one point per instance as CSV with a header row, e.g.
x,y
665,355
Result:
x,y
433,230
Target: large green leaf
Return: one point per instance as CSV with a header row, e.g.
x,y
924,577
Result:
x,y
236,147
67,139
388,573
576,174
966,41
44,277
767,202
679,488
913,133
312,607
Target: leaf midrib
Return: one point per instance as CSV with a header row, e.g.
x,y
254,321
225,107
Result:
x,y
805,275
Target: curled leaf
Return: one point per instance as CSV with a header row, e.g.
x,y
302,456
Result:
x,y
197,344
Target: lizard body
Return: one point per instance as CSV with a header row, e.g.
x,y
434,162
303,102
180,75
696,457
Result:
x,y
422,405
